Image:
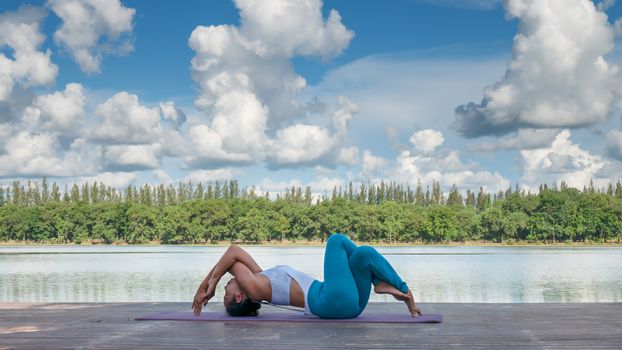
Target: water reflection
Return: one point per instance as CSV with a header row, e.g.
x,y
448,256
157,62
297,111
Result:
x,y
436,274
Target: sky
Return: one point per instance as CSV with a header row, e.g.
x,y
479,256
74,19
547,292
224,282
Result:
x,y
281,93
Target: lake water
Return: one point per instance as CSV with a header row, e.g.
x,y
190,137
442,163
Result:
x,y
436,274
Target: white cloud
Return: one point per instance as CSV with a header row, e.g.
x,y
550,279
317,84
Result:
x,y
304,143
249,89
40,153
61,111
291,27
51,136
448,169
83,157
211,175
227,66
610,172
13,107
91,28
236,133
174,144
132,157
427,140
300,143
118,180
343,114
401,91
272,187
324,184
136,137
125,120
267,184
563,160
20,31
604,5
172,114
373,164
614,144
524,139
617,26
162,176
207,147
426,163
5,133
557,77
348,156
30,154
320,186
228,62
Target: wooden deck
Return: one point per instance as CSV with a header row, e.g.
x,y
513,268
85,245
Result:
x,y
466,326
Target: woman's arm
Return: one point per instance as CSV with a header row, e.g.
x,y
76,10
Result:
x,y
247,281
204,284
233,255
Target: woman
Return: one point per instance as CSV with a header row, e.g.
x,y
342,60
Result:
x,y
349,272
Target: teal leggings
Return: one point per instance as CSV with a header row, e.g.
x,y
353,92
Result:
x,y
349,272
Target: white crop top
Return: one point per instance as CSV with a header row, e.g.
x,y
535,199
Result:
x,y
280,278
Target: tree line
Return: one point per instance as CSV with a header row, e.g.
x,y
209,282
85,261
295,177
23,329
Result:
x,y
385,212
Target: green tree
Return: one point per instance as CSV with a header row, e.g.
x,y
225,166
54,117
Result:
x,y
278,225
213,216
454,198
413,223
392,219
494,225
45,191
366,223
464,218
439,225
103,226
141,224
55,192
538,227
174,225
252,227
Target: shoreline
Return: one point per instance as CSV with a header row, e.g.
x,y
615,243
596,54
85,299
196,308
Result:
x,y
320,244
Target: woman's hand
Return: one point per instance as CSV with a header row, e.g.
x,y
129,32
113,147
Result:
x,y
198,302
202,297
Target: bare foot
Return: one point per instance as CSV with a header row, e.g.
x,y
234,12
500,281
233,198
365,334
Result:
x,y
385,288
410,303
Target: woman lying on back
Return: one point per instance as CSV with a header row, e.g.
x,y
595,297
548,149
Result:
x,y
349,272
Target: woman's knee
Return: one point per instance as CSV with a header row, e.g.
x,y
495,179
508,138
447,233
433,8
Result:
x,y
363,253
336,238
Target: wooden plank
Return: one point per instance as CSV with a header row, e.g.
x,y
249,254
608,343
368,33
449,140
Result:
x,y
473,326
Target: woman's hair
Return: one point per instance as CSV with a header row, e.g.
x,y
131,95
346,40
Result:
x,y
245,308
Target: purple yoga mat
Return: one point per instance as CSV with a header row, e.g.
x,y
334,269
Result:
x,y
291,317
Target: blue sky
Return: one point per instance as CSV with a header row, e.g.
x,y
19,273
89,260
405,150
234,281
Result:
x,y
161,33
473,93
